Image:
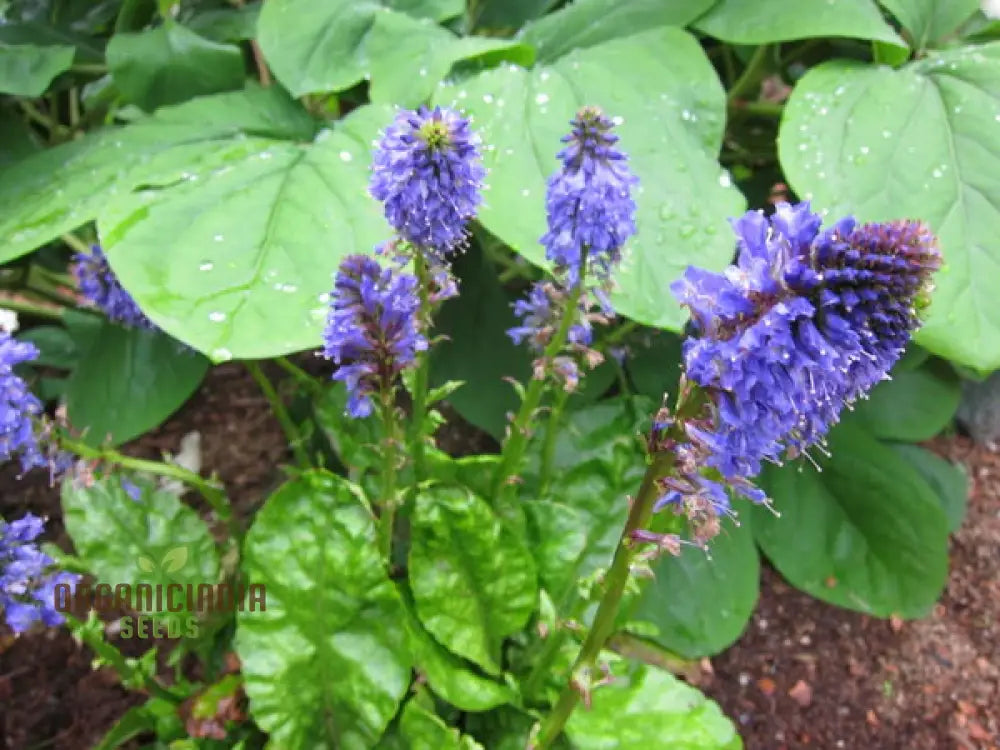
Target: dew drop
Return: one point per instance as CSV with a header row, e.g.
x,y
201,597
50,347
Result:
x,y
688,230
222,355
541,98
526,192
219,237
217,316
206,266
345,156
488,98
725,180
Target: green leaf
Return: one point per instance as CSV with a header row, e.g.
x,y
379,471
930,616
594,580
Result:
x,y
429,52
449,676
249,264
867,533
438,10
92,169
473,581
129,381
113,534
948,480
27,70
885,144
701,601
765,21
646,707
915,405
325,47
586,23
56,346
355,441
226,24
155,715
424,730
171,64
673,110
326,664
504,17
655,365
478,349
928,21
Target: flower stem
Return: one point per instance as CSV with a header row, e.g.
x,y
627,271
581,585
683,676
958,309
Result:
x,y
422,373
281,413
24,306
213,493
752,75
604,621
387,508
517,438
301,377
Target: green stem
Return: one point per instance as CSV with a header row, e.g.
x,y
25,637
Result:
x,y
549,446
89,68
44,286
387,508
301,377
752,75
76,243
35,309
53,127
517,438
281,413
758,109
604,621
213,493
127,671
422,373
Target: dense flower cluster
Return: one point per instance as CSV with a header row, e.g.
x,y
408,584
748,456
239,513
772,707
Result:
x,y
805,323
372,330
18,406
27,580
428,172
101,288
589,202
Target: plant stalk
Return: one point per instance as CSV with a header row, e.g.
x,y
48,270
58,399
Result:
x,y
281,413
751,76
422,373
387,508
301,377
551,432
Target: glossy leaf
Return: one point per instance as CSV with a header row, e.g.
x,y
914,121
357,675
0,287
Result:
x,y
766,21
868,533
255,230
94,169
477,349
915,405
949,481
129,381
27,69
327,663
886,144
473,581
226,24
673,111
928,21
324,47
646,707
423,730
654,364
114,535
586,23
171,64
701,601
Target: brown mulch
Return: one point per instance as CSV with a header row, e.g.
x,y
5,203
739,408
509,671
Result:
x,y
804,675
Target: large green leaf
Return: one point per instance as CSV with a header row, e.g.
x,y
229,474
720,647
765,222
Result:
x,y
655,365
928,21
477,349
646,708
915,405
61,188
171,64
672,109
327,663
129,381
867,533
764,21
314,47
916,142
504,17
423,730
586,23
155,539
949,481
473,581
701,600
27,70
236,258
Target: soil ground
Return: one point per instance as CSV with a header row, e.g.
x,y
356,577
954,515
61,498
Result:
x,y
804,675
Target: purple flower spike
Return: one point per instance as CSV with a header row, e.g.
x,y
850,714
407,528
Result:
x,y
102,289
804,324
18,406
428,172
372,332
589,202
27,580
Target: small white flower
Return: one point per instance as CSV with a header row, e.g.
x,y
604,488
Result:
x,y
8,321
